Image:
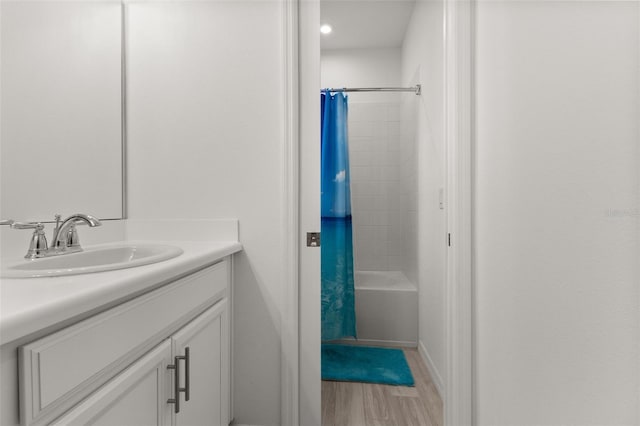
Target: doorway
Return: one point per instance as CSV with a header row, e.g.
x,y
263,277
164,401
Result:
x,y
436,140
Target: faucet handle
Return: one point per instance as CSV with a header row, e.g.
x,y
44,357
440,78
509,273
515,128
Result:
x,y
38,244
27,225
6,221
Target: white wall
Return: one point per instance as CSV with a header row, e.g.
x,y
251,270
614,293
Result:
x,y
205,125
361,68
557,213
423,62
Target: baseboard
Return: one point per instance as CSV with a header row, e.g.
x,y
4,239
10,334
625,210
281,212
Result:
x,y
372,342
435,374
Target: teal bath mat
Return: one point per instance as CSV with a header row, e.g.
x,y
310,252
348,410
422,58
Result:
x,y
346,363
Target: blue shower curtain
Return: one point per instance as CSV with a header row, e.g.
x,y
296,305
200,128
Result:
x,y
338,302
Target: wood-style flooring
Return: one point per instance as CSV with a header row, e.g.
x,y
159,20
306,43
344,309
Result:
x,y
364,404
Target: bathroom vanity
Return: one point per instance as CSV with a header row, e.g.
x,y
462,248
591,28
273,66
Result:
x,y
145,345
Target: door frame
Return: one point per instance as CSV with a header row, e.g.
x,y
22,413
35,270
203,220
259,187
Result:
x,y
300,386
459,115
290,325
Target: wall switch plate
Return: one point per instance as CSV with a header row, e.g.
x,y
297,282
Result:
x,y
441,198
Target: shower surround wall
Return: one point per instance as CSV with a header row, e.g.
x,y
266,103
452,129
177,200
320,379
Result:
x,y
374,141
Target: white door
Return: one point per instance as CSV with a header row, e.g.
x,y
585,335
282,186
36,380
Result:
x,y
135,397
205,372
309,283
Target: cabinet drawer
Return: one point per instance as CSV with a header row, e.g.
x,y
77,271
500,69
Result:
x,y
58,370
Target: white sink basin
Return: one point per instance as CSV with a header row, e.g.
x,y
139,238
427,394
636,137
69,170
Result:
x,y
94,259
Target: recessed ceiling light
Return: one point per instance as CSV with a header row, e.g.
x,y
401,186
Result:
x,y
325,29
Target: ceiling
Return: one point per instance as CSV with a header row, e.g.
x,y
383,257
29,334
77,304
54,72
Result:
x,y
365,23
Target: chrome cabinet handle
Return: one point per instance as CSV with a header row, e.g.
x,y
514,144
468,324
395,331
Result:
x,y
176,379
187,375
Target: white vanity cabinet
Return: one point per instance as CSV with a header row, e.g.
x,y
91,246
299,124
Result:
x,y
119,367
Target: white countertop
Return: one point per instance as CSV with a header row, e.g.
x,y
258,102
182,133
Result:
x,y
28,305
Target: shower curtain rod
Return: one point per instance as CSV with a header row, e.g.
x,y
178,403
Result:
x,y
417,89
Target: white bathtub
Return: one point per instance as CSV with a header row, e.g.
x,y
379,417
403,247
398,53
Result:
x,y
386,308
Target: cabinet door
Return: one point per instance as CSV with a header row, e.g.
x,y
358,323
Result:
x,y
207,338
137,396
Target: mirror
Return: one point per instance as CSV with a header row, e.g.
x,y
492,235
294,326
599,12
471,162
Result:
x,y
61,109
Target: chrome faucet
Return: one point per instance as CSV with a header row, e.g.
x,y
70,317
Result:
x,y
65,237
